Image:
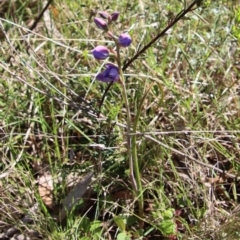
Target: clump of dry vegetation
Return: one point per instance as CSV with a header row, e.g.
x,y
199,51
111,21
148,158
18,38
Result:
x,y
53,136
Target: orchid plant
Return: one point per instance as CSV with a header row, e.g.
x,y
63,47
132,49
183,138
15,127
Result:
x,y
113,74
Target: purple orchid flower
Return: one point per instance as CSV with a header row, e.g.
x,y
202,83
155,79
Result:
x,y
104,15
100,52
124,40
101,24
114,16
110,74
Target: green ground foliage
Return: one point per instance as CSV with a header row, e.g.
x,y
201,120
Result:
x,y
52,133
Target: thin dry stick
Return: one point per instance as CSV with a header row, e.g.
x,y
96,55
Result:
x,y
161,34
31,28
184,155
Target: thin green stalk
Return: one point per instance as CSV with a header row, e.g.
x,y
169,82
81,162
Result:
x,y
135,156
129,140
136,167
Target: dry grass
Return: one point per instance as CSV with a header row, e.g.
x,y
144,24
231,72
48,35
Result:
x,y
188,142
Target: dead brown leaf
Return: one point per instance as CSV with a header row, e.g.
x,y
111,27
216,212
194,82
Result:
x,y
45,189
123,195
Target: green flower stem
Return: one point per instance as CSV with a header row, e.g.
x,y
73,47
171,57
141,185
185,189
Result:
x,y
135,156
129,140
136,166
135,174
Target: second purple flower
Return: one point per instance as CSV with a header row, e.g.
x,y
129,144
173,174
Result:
x,y
110,74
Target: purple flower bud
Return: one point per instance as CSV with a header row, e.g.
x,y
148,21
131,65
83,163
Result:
x,y
101,24
114,16
110,74
104,15
100,52
124,40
